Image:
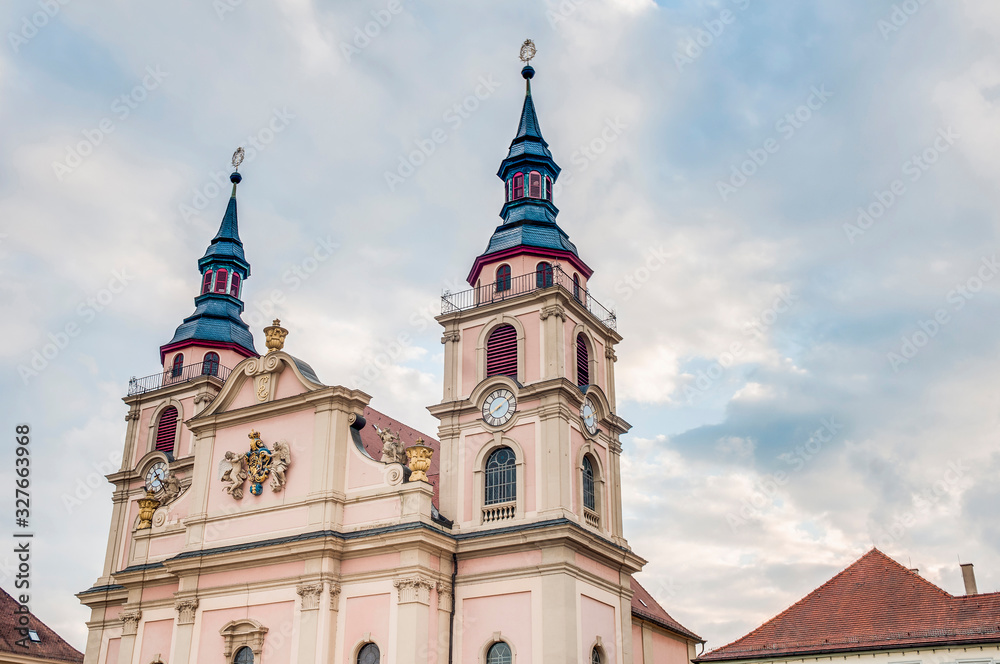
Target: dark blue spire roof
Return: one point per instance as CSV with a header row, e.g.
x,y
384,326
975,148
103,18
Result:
x,y
528,221
217,316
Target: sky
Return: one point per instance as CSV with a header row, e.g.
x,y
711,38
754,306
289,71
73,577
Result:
x,y
791,206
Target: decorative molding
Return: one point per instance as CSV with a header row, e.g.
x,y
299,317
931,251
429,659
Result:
x,y
186,609
414,590
334,596
444,596
132,414
609,353
244,632
553,310
310,594
451,336
130,621
262,386
393,474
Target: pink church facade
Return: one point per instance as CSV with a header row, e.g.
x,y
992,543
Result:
x,y
261,515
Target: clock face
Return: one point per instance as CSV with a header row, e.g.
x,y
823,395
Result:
x,y
499,407
155,476
589,416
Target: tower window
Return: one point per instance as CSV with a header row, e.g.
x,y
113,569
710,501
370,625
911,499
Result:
x,y
501,477
589,501
518,185
535,184
506,190
576,286
206,284
221,277
369,654
243,656
503,278
210,365
582,361
595,656
543,275
166,430
178,366
234,289
499,653
501,352
548,188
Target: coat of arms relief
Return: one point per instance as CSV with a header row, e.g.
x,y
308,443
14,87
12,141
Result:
x,y
258,465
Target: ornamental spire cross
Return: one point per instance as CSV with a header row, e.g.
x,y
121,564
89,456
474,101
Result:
x,y
528,51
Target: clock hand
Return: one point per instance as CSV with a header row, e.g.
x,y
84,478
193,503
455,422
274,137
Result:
x,y
493,410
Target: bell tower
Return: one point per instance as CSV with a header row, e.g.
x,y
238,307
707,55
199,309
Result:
x,y
529,430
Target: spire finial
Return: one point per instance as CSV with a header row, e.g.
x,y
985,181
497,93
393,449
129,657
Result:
x,y
528,51
236,178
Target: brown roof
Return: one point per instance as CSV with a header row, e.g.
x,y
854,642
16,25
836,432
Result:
x,y
50,645
407,435
647,608
874,604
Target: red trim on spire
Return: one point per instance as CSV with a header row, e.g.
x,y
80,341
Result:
x,y
522,250
187,343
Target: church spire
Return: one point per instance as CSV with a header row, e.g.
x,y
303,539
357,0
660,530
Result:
x,y
216,321
529,173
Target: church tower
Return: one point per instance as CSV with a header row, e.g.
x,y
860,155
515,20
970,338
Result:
x,y
529,430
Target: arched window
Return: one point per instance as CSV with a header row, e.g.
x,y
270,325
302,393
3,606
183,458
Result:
x,y
206,284
506,190
576,286
582,361
501,352
535,184
243,656
499,653
166,430
369,654
234,289
221,276
543,275
503,278
501,477
210,365
178,365
595,656
518,185
548,188
589,501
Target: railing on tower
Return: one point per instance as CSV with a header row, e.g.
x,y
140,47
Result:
x,y
174,376
507,288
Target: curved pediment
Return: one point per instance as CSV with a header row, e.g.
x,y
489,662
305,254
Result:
x,y
259,380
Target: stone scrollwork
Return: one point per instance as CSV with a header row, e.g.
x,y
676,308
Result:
x,y
310,594
263,386
334,596
414,589
553,310
444,596
130,621
451,336
186,608
394,474
609,353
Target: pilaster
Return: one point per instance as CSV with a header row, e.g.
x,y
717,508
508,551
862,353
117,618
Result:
x,y
412,618
310,594
129,618
184,631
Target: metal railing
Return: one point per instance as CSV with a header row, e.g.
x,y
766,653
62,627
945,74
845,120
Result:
x,y
174,376
507,288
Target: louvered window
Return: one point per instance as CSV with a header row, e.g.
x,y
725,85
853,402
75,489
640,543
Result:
x,y
221,276
166,430
503,278
210,365
501,352
582,361
588,484
501,477
178,366
543,275
206,285
518,185
234,289
535,185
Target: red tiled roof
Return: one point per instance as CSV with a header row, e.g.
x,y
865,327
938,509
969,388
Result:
x,y
647,608
50,645
874,604
407,435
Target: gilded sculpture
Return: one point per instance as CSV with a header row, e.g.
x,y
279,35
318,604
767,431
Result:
x,y
258,465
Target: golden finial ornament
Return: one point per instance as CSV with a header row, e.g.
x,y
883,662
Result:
x,y
528,51
275,335
419,457
238,158
147,505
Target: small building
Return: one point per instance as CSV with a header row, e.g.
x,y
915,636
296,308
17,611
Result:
x,y
878,611
40,645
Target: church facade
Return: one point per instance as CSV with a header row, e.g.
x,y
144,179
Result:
x,y
261,515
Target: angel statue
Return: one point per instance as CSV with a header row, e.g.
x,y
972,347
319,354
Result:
x,y
392,447
280,458
232,471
